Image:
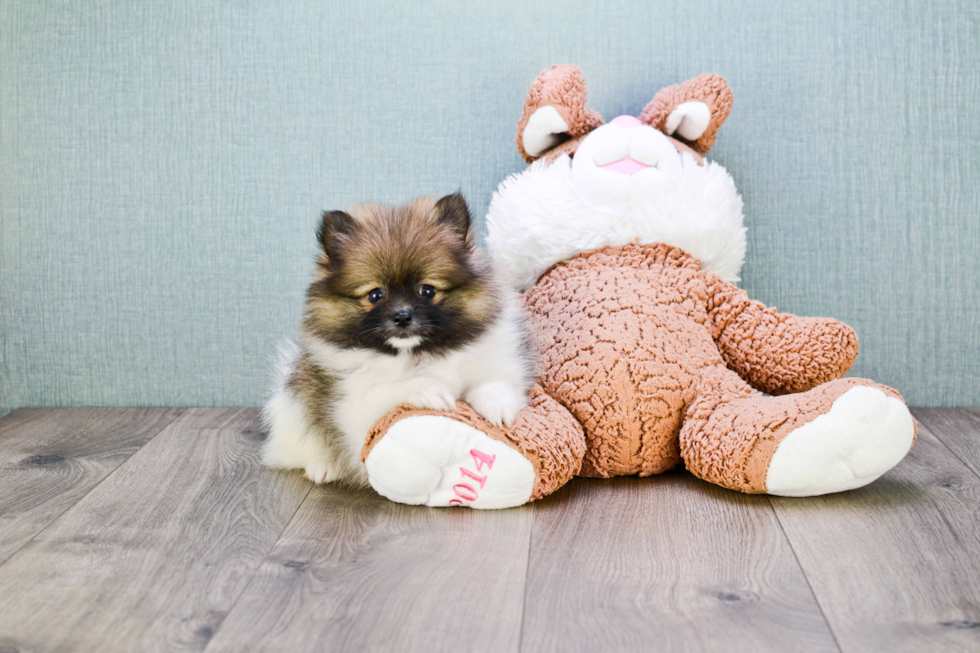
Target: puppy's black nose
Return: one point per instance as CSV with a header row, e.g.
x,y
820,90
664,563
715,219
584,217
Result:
x,y
402,318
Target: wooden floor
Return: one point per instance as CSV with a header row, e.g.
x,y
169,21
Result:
x,y
158,530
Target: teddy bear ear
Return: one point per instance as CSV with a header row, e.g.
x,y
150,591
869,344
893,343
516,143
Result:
x,y
555,113
691,112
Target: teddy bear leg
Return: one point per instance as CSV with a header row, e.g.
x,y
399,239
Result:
x,y
438,458
838,436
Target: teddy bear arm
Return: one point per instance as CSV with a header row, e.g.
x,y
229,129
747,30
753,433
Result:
x,y
777,353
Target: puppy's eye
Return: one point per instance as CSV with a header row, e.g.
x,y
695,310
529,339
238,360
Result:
x,y
427,291
376,295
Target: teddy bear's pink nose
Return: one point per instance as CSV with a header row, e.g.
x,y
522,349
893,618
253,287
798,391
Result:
x,y
626,121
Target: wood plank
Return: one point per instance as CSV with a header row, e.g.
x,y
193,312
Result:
x,y
896,565
958,429
355,572
155,556
52,457
665,563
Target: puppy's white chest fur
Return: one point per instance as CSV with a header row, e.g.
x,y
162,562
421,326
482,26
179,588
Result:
x,y
377,383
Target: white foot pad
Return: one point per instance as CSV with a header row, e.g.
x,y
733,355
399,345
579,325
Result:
x,y
432,460
863,435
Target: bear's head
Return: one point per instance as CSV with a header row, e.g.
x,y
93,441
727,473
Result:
x,y
639,179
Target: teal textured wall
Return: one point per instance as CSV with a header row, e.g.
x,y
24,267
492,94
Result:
x,y
162,166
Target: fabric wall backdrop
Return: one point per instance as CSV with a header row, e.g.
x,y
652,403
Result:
x,y
162,166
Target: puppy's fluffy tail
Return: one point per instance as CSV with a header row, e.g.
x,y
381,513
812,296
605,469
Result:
x,y
284,363
281,405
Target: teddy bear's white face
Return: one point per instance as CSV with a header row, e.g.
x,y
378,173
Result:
x,y
625,161
626,183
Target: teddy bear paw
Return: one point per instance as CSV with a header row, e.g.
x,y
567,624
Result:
x,y
863,435
434,460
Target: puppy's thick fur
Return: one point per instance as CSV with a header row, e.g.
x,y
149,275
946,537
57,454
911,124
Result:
x,y
403,309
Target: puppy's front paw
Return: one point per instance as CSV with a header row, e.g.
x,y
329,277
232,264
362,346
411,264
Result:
x,y
321,471
497,403
433,395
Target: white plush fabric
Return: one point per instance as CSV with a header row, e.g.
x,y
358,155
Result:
x,y
689,120
542,130
429,460
550,212
863,435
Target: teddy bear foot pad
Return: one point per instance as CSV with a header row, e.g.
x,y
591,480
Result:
x,y
434,460
863,435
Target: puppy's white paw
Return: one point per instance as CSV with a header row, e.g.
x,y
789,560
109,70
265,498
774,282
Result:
x,y
497,403
321,472
434,395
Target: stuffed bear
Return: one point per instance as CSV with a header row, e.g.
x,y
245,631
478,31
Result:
x,y
626,244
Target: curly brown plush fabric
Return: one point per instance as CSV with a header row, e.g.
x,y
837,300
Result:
x,y
711,89
563,87
623,333
776,352
544,433
626,333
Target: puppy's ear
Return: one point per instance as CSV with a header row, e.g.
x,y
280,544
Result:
x,y
335,227
453,212
691,112
555,113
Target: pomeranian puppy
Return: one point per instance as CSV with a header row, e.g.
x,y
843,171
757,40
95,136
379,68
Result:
x,y
403,309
